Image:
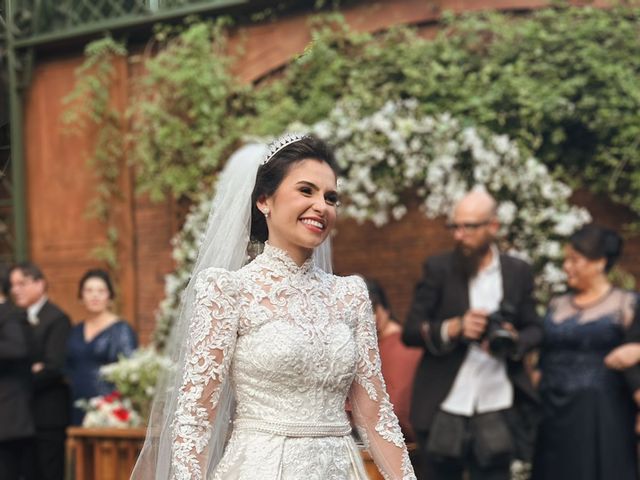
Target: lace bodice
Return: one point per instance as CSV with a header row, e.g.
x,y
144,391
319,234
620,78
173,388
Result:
x,y
295,343
577,339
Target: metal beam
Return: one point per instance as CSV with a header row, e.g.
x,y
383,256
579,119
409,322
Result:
x,y
17,151
128,22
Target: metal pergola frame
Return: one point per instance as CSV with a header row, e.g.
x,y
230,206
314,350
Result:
x,y
156,12
18,207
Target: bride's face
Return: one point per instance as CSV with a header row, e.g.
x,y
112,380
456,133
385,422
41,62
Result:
x,y
302,211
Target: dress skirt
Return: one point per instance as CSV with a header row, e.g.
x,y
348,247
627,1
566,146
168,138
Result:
x,y
587,436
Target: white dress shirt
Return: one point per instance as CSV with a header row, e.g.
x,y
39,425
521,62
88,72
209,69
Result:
x,y
33,310
482,384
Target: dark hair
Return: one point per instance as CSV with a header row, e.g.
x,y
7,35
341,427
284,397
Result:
x,y
28,269
5,283
97,273
378,296
271,174
595,242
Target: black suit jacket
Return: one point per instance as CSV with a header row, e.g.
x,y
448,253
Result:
x,y
16,420
443,293
51,391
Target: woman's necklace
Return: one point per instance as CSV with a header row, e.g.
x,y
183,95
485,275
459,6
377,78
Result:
x,y
590,297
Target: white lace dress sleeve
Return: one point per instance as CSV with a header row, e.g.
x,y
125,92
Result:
x,y
373,413
211,343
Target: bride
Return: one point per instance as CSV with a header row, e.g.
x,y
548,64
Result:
x,y
267,352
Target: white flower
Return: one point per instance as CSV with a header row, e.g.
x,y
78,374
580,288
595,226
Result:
x,y
436,174
566,224
553,276
109,411
507,212
323,129
398,212
380,218
551,249
381,123
548,191
519,254
501,143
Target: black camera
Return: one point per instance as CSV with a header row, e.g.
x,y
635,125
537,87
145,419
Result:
x,y
502,342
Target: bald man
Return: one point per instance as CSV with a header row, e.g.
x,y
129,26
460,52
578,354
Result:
x,y
473,408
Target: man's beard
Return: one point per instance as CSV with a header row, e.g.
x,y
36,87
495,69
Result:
x,y
469,259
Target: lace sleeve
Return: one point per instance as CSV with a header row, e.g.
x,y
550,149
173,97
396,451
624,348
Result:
x,y
211,342
372,411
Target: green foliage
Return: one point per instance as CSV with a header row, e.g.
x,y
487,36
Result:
x,y
108,252
313,82
188,109
561,81
564,82
90,97
90,103
623,279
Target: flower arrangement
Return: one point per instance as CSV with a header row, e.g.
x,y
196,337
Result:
x,y
109,411
136,377
185,251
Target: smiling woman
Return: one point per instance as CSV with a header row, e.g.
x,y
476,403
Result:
x,y
272,349
294,198
588,405
100,339
302,211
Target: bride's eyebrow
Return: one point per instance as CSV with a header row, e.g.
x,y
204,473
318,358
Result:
x,y
307,183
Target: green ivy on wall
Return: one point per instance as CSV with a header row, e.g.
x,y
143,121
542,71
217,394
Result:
x,y
188,108
90,104
561,81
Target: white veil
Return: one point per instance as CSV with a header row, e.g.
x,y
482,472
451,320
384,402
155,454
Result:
x,y
224,245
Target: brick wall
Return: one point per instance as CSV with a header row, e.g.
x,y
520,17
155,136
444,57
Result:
x,y
155,225
393,254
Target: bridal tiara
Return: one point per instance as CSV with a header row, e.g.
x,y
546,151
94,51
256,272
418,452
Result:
x,y
278,144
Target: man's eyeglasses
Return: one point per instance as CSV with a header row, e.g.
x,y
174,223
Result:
x,y
467,226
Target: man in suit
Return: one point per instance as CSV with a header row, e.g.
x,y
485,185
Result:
x,y
473,407
50,327
16,420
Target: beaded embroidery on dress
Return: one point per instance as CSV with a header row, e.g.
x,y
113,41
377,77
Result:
x,y
294,342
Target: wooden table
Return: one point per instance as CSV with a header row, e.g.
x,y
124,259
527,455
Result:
x,y
103,453
111,453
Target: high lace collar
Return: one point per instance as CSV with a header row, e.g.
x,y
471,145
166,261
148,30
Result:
x,y
279,261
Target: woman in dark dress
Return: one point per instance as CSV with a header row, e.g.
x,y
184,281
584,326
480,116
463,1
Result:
x,y
98,340
587,431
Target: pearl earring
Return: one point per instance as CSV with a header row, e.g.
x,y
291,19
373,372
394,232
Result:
x,y
266,213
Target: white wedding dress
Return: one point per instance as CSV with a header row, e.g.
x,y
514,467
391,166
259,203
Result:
x,y
295,343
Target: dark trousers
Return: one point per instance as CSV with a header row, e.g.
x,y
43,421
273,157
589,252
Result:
x,y
454,469
14,459
49,454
